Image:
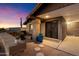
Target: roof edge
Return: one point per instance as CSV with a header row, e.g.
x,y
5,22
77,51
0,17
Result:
x,y
33,11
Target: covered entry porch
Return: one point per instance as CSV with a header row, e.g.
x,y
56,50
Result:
x,y
67,32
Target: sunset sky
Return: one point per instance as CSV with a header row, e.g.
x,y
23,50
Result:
x,y
10,13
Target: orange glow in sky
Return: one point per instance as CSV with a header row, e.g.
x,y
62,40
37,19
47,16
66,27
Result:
x,y
10,14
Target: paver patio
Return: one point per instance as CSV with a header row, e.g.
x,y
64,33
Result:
x,y
45,50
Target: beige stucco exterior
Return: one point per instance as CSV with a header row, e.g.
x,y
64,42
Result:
x,y
35,30
70,44
39,27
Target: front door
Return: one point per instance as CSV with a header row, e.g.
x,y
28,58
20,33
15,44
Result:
x,y
52,29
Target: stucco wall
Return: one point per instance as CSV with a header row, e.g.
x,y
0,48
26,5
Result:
x,y
43,28
73,29
33,23
72,24
35,28
59,30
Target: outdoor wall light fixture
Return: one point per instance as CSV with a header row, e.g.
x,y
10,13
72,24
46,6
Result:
x,y
46,16
68,22
31,26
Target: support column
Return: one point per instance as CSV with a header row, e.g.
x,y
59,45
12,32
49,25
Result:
x,y
38,26
60,30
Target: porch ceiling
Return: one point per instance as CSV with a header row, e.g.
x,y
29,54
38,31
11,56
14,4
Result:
x,y
70,13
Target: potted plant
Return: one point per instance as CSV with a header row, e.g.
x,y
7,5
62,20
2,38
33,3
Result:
x,y
40,38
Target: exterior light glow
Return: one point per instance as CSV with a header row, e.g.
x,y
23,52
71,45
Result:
x,y
68,22
47,16
31,26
